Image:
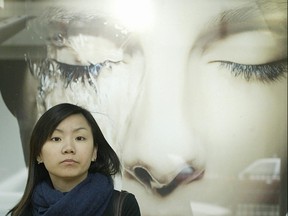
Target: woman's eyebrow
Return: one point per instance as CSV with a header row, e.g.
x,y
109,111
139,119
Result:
x,y
74,130
80,128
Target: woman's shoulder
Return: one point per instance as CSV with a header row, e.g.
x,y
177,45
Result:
x,y
121,201
28,211
130,204
124,202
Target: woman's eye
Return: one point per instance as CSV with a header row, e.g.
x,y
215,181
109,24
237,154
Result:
x,y
264,72
55,139
80,138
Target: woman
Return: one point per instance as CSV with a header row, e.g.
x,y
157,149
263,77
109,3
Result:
x,y
70,168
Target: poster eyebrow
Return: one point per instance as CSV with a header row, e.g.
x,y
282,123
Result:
x,y
252,10
59,21
250,17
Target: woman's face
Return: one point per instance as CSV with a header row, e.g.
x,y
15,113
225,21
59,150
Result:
x,y
188,101
68,153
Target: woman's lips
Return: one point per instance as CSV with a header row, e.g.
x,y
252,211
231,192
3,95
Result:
x,y
69,161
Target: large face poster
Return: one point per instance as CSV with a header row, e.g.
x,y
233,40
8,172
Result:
x,y
192,95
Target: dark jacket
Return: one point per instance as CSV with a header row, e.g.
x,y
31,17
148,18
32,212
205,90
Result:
x,y
130,206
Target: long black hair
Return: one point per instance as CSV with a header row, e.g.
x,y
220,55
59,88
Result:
x,y
107,161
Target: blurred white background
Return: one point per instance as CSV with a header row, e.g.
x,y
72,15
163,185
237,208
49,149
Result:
x,y
12,167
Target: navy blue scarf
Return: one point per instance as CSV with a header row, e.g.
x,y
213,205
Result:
x,y
89,198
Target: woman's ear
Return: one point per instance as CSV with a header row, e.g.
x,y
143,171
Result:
x,y
94,155
39,160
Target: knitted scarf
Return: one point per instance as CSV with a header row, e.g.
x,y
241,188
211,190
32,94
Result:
x,y
89,198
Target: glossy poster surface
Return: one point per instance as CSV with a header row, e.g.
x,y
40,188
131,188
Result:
x,y
191,94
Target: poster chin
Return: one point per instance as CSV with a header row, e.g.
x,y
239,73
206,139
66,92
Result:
x,y
191,95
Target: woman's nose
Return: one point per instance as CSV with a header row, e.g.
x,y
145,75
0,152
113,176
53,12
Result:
x,y
161,149
68,147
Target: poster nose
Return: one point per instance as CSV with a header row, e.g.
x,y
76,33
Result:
x,y
162,156
161,149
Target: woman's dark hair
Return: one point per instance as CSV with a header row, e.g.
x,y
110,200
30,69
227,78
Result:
x,y
107,161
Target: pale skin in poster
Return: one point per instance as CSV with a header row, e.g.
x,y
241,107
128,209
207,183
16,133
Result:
x,y
188,97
